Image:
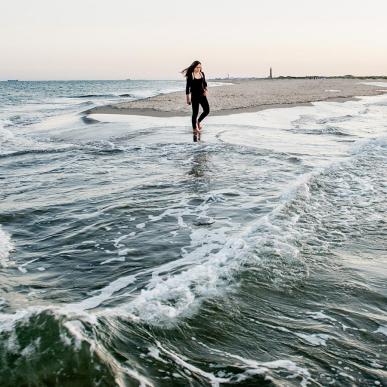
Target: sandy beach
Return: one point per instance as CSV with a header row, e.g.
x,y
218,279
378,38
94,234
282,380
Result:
x,y
246,95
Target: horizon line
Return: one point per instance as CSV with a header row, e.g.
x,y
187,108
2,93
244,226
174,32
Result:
x,y
174,79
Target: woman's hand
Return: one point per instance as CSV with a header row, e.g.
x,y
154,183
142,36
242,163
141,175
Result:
x,y
205,92
188,99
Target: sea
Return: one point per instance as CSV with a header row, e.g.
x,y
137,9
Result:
x,y
131,256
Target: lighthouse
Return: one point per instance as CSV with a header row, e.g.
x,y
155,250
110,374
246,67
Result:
x,y
271,73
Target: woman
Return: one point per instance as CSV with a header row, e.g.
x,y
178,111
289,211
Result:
x,y
196,93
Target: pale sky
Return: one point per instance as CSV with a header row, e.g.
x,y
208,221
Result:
x,y
150,39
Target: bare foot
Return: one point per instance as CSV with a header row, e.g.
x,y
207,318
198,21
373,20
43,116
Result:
x,y
198,133
200,126
197,130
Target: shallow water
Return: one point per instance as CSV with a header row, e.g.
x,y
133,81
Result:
x,y
131,256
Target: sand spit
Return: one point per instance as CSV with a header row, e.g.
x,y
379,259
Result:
x,y
246,95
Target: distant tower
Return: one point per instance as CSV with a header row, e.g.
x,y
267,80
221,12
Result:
x,y
271,73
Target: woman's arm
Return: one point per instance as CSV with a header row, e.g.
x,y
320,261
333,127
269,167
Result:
x,y
188,90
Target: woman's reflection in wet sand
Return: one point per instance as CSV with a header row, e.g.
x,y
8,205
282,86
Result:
x,y
199,164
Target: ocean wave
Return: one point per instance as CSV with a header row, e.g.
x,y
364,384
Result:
x,y
331,130
212,258
88,120
32,340
344,118
286,242
180,295
305,120
35,151
277,247
102,95
93,96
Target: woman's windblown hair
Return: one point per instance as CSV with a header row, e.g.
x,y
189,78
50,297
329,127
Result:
x,y
189,70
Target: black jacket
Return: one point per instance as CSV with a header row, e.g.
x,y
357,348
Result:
x,y
195,86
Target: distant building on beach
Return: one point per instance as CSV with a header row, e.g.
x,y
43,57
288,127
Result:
x,y
271,73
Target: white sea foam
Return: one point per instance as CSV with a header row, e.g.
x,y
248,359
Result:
x,y
214,380
116,259
382,329
179,295
76,329
320,316
6,247
104,294
314,339
155,353
9,320
5,134
378,84
126,251
119,239
251,367
23,266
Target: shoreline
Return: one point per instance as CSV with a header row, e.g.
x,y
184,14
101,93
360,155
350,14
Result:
x,y
246,96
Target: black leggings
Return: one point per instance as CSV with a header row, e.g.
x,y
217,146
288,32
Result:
x,y
202,100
